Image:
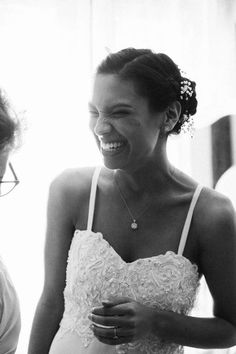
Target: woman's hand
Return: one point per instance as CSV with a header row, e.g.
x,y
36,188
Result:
x,y
121,320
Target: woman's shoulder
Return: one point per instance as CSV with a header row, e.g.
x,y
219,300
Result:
x,y
70,191
73,181
215,216
211,203
215,204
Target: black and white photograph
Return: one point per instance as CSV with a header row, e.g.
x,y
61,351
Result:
x,y
118,176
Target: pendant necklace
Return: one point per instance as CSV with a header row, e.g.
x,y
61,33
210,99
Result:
x,y
134,224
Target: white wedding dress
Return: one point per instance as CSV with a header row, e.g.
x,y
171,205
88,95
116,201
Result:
x,y
95,271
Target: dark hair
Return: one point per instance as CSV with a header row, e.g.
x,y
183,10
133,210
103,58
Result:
x,y
9,126
155,77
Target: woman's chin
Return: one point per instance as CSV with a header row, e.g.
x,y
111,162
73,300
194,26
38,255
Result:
x,y
115,159
113,165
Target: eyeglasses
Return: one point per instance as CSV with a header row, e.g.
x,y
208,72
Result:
x,y
9,181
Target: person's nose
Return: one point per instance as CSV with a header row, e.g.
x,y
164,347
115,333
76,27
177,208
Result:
x,y
102,126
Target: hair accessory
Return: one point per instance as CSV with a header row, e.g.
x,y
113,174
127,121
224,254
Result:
x,y
186,90
188,125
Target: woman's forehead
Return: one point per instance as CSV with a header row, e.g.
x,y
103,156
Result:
x,y
110,89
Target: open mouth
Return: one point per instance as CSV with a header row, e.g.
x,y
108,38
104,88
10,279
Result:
x,y
113,146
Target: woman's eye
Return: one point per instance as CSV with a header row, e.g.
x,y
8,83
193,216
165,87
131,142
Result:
x,y
120,113
115,114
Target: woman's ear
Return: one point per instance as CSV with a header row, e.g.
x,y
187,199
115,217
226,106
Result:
x,y
172,116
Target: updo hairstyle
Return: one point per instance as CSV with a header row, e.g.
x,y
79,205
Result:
x,y
9,127
156,77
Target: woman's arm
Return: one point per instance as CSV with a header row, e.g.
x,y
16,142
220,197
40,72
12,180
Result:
x,y
58,239
217,237
216,225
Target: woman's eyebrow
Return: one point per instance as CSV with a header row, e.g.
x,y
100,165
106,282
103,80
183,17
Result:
x,y
116,105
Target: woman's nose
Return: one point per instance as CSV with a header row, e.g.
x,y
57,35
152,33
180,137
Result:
x,y
102,126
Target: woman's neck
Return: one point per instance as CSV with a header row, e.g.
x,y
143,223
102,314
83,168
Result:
x,y
153,176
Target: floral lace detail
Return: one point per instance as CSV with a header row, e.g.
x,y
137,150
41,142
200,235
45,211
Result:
x,y
95,271
149,345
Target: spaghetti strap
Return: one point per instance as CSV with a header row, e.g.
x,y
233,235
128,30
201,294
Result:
x,y
188,220
92,198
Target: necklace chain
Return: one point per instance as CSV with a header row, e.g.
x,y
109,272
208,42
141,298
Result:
x,y
134,224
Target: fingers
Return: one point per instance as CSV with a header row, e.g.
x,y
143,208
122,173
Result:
x,y
113,336
112,332
117,321
107,303
113,301
114,310
113,323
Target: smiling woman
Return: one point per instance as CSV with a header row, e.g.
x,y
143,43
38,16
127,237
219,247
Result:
x,y
127,243
113,112
113,126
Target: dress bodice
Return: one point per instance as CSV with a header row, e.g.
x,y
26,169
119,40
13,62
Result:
x,y
95,271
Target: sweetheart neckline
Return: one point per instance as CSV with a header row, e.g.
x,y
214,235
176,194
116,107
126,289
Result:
x,y
194,265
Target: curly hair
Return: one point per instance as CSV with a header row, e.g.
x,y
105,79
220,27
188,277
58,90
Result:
x,y
155,77
10,127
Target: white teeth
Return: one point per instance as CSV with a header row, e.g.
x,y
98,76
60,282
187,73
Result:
x,y
111,146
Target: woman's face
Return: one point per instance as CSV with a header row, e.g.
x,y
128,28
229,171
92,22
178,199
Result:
x,y
125,130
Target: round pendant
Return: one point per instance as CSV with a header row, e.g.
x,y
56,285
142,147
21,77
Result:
x,y
134,225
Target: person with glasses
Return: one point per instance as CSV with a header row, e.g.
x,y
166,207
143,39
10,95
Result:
x,y
10,321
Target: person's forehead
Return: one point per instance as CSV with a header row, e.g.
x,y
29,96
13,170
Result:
x,y
110,89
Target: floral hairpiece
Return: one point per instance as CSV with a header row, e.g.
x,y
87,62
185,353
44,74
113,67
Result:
x,y
186,90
